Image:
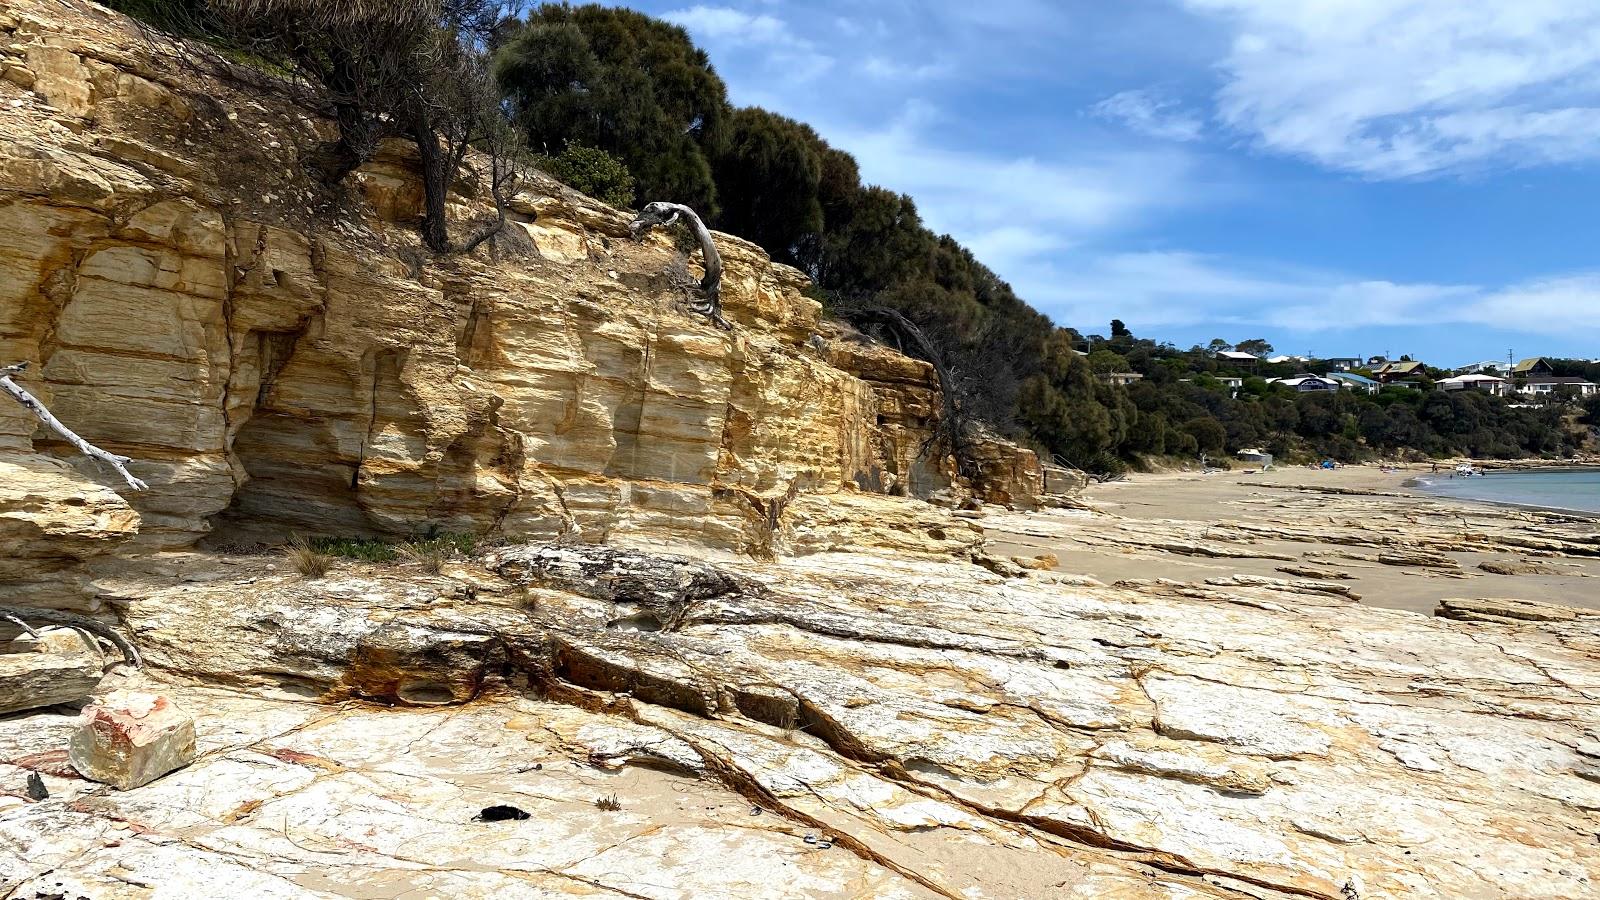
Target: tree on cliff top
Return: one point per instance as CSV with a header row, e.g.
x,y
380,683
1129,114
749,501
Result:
x,y
413,69
623,82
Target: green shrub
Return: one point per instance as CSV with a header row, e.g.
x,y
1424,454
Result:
x,y
376,551
594,172
365,550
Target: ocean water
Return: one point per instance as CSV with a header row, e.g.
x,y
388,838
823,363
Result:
x,y
1566,489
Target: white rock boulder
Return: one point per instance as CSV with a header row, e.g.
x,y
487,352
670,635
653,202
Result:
x,y
131,738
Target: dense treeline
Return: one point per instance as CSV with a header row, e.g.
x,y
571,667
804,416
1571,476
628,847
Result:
x,y
1184,406
627,108
638,89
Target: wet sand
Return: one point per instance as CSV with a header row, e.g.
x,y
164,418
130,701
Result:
x,y
1302,520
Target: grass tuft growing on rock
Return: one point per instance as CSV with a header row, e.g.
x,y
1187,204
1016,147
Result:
x,y
609,804
429,556
307,559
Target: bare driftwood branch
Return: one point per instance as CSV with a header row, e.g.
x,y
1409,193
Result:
x,y
21,614
666,214
32,404
26,628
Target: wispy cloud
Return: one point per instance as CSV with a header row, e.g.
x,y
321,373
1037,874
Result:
x,y
783,49
885,69
1148,112
1392,89
1174,288
1012,209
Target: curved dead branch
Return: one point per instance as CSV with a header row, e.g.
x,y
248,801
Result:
x,y
32,404
666,214
954,429
24,615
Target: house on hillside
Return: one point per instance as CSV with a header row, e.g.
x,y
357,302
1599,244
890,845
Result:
x,y
1354,382
1122,378
1307,384
1547,385
1488,384
1481,367
1533,368
1345,363
1406,370
1239,359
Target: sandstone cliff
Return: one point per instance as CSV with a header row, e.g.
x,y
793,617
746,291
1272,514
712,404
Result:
x,y
858,719
276,354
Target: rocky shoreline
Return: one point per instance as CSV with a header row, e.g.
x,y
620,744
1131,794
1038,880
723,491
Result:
x,y
1363,527
1170,688
867,723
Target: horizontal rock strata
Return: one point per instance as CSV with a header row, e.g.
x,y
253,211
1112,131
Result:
x,y
866,725
280,356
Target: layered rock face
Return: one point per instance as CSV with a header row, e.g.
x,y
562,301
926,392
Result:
x,y
833,725
276,353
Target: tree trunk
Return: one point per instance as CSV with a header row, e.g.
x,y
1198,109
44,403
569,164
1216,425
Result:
x,y
954,427
435,190
661,213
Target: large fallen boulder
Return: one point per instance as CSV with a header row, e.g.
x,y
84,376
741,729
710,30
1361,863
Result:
x,y
131,738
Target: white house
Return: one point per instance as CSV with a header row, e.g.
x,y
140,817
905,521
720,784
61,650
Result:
x,y
1539,387
1306,384
1478,368
1122,378
1489,384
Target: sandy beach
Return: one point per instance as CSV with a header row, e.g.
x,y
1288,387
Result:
x,y
1359,527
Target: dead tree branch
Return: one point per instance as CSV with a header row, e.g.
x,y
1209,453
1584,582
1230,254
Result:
x,y
21,614
32,404
955,429
667,214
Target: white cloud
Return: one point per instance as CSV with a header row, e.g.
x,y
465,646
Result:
x,y
1403,88
1558,306
1174,289
1150,113
1014,211
889,70
728,24
724,29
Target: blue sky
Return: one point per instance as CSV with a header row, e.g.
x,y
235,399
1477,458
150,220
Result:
x,y
1341,177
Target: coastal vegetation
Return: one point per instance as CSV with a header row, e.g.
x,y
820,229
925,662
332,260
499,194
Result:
x,y
626,107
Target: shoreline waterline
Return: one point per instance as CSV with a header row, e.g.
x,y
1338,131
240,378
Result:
x,y
1327,526
1518,488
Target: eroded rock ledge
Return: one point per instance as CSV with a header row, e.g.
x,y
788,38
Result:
x,y
281,356
947,730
